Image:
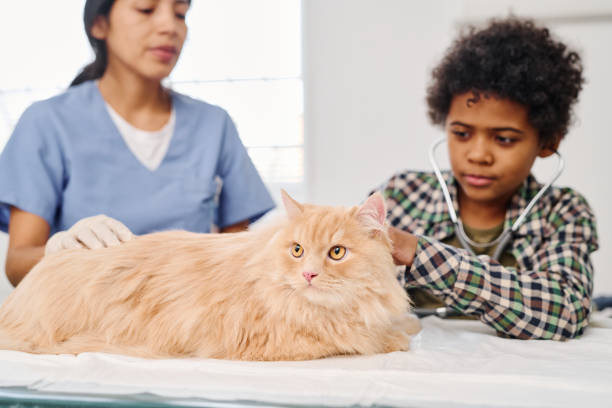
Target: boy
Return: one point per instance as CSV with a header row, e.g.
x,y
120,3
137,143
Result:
x,y
503,95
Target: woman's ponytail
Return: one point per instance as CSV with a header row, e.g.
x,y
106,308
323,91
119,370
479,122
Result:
x,y
94,70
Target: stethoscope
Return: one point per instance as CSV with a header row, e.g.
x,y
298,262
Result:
x,y
501,241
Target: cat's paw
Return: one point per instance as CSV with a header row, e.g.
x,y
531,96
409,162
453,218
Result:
x,y
407,323
399,336
396,340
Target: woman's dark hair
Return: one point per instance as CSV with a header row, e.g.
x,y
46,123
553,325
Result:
x,y
93,9
516,60
95,70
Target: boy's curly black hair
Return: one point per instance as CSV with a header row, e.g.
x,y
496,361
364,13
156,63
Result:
x,y
513,59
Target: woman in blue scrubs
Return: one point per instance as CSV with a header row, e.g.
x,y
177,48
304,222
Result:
x,y
118,143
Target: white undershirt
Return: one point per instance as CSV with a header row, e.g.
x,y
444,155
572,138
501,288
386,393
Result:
x,y
149,147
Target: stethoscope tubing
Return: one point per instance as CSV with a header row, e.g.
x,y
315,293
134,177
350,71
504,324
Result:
x,y
504,238
501,241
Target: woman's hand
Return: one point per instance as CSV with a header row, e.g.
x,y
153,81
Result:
x,y
404,246
94,232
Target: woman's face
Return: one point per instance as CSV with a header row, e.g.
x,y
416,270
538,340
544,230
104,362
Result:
x,y
143,36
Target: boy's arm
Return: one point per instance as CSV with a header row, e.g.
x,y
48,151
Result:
x,y
551,300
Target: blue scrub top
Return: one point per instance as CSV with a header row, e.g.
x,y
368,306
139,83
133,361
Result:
x,y
66,160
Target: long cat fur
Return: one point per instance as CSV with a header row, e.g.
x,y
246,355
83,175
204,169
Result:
x,y
230,296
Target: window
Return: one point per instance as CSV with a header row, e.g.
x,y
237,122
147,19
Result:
x,y
242,55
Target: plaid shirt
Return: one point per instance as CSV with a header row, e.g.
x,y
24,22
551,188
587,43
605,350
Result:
x,y
547,297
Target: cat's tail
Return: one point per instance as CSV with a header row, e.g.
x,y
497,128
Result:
x,y
75,345
90,343
8,342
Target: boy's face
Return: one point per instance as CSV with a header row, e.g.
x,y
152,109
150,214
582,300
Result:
x,y
491,146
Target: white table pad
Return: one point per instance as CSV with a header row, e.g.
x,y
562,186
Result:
x,y
452,363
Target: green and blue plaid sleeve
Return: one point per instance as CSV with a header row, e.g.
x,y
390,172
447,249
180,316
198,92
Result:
x,y
552,300
548,296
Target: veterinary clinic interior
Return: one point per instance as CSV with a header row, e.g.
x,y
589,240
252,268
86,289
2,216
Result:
x,y
305,121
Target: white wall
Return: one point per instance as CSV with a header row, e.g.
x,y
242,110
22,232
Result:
x,y
366,66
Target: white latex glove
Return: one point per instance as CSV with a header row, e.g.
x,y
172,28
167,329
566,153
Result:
x,y
94,232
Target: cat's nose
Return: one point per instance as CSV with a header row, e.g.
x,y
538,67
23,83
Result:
x,y
309,275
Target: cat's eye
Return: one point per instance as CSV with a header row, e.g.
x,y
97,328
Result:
x,y
297,250
337,252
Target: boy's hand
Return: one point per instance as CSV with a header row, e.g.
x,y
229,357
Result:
x,y
404,246
94,232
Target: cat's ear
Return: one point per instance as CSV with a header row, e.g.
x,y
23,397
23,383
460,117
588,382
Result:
x,y
292,207
373,212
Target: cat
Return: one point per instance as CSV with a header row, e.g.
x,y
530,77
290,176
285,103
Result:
x,y
319,282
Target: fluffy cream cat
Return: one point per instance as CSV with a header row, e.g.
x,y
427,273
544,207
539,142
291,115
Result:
x,y
320,283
